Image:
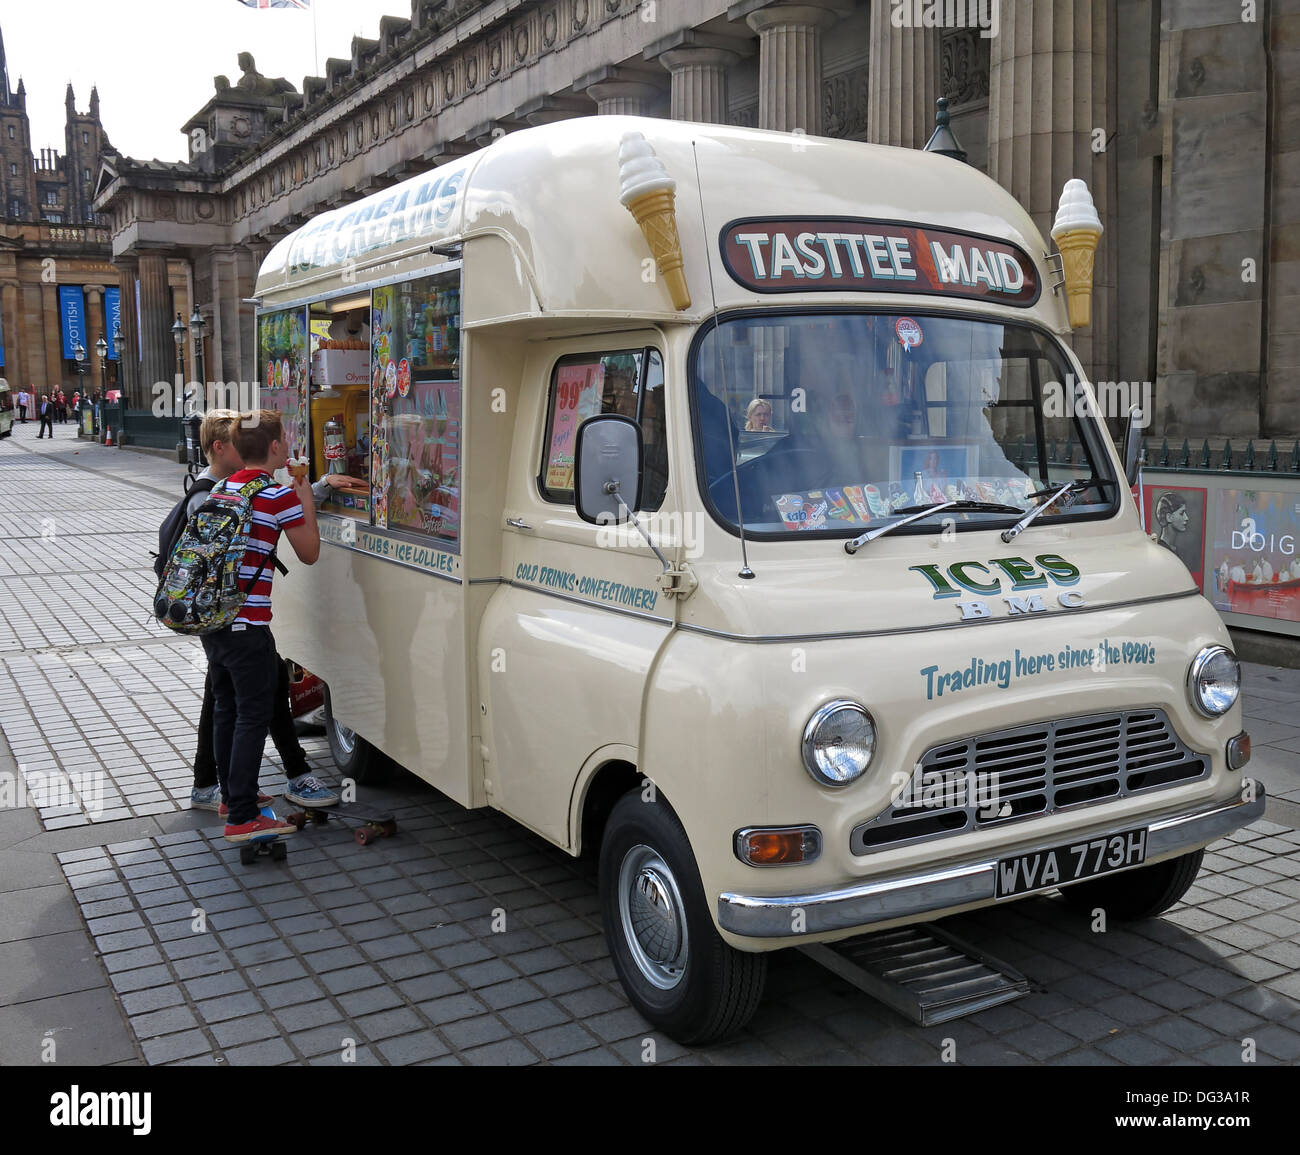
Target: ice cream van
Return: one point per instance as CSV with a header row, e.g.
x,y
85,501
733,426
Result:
x,y
736,512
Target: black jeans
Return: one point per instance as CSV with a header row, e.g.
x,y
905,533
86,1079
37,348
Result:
x,y
46,423
283,734
241,666
22,414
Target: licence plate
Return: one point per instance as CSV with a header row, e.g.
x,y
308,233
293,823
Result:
x,y
1070,862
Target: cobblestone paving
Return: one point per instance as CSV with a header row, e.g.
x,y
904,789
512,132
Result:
x,y
467,940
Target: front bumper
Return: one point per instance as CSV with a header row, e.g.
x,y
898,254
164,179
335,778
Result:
x,y
962,884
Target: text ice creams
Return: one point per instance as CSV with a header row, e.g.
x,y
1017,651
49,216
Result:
x,y
1076,231
648,194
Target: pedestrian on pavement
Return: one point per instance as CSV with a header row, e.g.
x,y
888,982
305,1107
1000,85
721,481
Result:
x,y
304,788
61,407
22,407
242,662
47,418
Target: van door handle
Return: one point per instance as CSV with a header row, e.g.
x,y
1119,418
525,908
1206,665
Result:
x,y
517,523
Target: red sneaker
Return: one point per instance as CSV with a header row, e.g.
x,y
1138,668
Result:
x,y
260,827
262,800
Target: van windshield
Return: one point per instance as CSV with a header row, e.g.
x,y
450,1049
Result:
x,y
838,420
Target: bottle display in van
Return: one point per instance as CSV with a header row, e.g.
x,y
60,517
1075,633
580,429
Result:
x,y
741,517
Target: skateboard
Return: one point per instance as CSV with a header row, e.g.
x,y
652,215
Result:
x,y
271,845
367,824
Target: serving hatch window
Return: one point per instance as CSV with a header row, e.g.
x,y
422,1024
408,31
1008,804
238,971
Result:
x,y
415,404
838,420
629,382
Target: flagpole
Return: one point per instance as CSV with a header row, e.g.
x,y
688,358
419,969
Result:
x,y
315,43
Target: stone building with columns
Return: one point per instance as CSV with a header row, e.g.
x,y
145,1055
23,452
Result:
x,y
51,240
1171,110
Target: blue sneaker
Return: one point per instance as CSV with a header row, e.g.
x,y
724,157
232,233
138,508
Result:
x,y
206,798
307,790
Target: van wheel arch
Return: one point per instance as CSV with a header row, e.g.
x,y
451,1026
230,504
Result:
x,y
353,756
605,787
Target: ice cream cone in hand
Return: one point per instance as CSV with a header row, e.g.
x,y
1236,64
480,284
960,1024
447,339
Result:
x,y
1076,231
648,193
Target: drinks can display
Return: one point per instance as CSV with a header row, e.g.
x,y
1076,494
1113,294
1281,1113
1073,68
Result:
x,y
335,444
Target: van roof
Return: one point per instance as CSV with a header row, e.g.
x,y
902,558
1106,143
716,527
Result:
x,y
550,195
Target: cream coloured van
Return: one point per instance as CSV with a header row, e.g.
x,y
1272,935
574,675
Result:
x,y
737,512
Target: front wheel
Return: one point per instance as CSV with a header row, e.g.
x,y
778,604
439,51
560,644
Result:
x,y
671,960
1141,893
353,755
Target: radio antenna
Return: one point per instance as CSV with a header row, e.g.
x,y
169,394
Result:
x,y
745,571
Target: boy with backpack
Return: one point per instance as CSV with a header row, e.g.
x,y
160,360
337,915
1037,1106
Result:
x,y
242,662
216,440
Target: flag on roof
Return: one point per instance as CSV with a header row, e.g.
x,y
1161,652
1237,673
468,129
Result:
x,y
276,3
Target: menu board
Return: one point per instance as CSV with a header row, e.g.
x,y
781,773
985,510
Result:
x,y
578,390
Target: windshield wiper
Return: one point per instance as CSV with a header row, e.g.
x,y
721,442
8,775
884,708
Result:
x,y
1052,495
917,512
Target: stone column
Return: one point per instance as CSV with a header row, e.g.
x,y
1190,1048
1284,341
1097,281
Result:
x,y
156,318
623,97
11,320
790,65
1049,94
128,365
53,323
902,80
699,83
248,259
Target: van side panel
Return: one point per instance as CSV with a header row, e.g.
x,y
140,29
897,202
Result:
x,y
389,641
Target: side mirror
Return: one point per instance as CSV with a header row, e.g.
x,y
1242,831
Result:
x,y
607,469
1132,445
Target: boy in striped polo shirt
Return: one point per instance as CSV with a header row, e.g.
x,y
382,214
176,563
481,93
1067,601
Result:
x,y
242,661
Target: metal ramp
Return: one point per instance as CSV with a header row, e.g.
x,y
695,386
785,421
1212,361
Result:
x,y
922,972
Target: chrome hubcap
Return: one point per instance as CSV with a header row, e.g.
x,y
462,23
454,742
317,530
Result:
x,y
652,915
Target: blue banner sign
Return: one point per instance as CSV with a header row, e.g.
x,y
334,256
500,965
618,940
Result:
x,y
2,343
112,318
72,316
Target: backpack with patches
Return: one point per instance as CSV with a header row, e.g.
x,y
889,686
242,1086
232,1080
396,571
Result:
x,y
200,590
169,533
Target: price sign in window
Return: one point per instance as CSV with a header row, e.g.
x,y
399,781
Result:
x,y
585,384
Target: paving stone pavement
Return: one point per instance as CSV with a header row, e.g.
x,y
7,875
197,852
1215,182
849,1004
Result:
x,y
466,939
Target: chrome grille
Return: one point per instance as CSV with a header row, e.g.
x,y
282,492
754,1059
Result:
x,y
1028,771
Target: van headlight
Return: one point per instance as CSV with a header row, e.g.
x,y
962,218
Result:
x,y
1214,681
838,743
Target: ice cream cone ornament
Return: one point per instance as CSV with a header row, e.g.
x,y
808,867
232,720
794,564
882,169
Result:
x,y
1076,231
648,194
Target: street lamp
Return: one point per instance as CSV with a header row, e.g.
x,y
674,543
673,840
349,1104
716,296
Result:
x,y
197,327
178,333
101,347
80,354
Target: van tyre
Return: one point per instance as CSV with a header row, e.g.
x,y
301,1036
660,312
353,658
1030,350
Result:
x,y
1141,893
353,755
673,964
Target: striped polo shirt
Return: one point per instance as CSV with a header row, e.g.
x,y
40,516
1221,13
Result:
x,y
274,509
